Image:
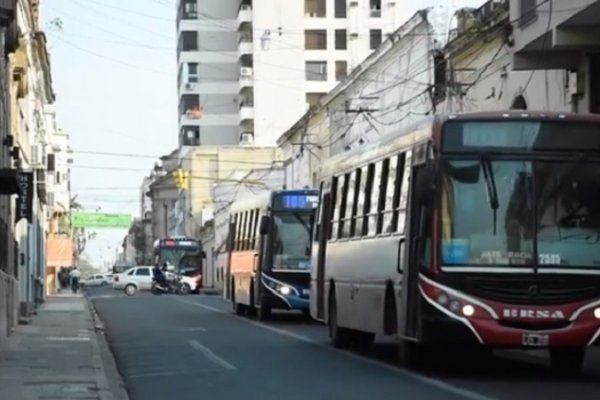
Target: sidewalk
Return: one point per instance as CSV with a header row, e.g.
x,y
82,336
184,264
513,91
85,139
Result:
x,y
59,356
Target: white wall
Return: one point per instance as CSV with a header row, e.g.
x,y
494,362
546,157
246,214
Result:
x,y
279,94
499,85
395,86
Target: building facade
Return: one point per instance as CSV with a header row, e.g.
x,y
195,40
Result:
x,y
248,70
33,125
9,173
210,165
478,68
560,35
390,89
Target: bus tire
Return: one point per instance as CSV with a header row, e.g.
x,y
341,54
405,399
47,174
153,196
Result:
x,y
340,338
567,360
239,309
410,354
264,311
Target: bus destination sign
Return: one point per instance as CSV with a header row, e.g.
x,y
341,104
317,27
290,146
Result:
x,y
295,201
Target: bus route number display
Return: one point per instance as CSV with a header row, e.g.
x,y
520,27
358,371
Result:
x,y
288,201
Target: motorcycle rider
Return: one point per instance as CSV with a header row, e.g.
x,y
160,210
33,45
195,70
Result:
x,y
159,275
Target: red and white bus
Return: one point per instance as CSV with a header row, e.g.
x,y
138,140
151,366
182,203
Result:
x,y
475,229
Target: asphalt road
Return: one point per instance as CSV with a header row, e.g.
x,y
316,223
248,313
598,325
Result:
x,y
194,347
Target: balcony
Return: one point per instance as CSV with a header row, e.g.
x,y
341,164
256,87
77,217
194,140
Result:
x,y
246,111
554,38
245,46
246,79
244,15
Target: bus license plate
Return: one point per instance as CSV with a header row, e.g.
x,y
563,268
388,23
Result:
x,y
535,339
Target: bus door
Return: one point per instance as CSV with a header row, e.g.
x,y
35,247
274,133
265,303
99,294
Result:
x,y
322,235
421,180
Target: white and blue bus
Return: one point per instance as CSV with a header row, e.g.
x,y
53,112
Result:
x,y
269,251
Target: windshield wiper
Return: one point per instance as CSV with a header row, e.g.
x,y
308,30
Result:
x,y
305,224
490,182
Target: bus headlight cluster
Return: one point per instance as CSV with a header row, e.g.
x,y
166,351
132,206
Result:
x,y
285,290
455,305
597,313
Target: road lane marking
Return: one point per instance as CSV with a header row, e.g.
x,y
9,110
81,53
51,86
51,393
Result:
x,y
467,394
212,357
192,329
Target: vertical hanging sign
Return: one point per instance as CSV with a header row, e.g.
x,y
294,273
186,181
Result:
x,y
24,206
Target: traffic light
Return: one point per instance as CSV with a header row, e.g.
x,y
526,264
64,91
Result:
x,y
182,179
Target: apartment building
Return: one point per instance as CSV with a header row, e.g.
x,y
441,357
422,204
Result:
x,y
249,69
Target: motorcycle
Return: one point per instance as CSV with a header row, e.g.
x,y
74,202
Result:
x,y
174,285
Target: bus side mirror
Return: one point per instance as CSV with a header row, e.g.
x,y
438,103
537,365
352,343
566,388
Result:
x,y
425,185
264,225
203,254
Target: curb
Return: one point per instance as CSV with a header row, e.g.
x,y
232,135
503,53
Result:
x,y
104,362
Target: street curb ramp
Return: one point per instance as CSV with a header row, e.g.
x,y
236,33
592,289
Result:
x,y
110,383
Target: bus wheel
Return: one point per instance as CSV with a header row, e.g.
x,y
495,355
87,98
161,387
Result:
x,y
410,354
362,340
264,311
567,360
340,338
239,309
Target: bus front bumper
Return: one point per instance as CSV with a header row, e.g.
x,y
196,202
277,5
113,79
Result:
x,y
449,316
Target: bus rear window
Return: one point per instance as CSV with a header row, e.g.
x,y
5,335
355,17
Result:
x,y
503,135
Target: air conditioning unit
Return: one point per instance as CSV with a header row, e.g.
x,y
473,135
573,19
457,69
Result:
x,y
311,15
246,72
190,86
247,138
353,3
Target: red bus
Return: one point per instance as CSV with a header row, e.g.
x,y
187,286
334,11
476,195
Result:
x,y
477,229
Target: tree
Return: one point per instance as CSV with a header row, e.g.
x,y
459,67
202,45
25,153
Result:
x,y
74,204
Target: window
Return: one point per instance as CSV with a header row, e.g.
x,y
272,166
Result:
x,y
192,70
190,135
315,39
188,9
368,200
356,202
528,12
341,70
189,104
375,7
341,39
316,70
340,8
343,197
375,38
142,272
313,98
188,41
315,8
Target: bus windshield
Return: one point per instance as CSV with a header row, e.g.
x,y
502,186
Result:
x,y
488,208
291,241
184,260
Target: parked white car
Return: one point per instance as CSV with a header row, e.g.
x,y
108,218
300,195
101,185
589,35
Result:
x,y
133,279
98,280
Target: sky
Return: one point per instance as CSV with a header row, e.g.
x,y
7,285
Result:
x,y
114,73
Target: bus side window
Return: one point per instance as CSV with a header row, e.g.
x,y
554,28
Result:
x,y
333,210
376,188
400,162
238,231
255,230
343,206
404,193
366,191
244,231
388,211
383,184
351,179
356,207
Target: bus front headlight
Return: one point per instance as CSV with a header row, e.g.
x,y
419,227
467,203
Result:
x,y
285,290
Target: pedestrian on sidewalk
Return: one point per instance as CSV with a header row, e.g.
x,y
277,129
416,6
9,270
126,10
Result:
x,y
75,275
